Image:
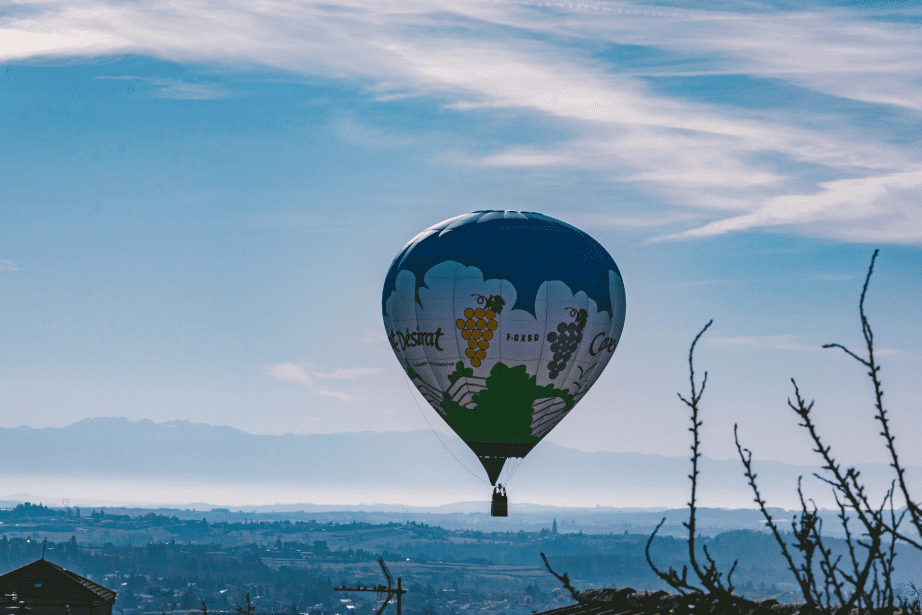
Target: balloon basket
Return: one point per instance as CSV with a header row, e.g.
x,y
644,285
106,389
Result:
x,y
499,507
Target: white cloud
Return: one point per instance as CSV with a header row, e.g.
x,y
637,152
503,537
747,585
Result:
x,y
832,277
891,352
8,266
174,88
22,43
645,220
839,51
889,205
336,394
289,372
767,342
374,337
348,373
304,375
711,282
353,132
709,157
789,343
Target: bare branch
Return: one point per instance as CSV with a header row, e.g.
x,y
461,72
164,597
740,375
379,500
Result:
x,y
708,577
865,580
847,351
746,458
676,581
565,580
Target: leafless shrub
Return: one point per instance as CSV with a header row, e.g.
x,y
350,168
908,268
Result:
x,y
864,582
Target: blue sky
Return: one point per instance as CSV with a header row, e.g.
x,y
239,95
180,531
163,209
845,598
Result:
x,y
199,202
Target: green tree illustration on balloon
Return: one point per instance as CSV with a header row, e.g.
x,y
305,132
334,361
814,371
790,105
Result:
x,y
503,410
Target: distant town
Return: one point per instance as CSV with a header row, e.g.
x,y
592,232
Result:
x,y
180,561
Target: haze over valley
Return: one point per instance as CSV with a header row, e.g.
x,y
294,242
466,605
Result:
x,y
120,462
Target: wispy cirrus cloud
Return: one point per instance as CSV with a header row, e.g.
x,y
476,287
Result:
x,y
8,266
348,373
18,43
785,342
304,374
336,394
163,87
823,138
174,88
889,206
373,337
654,219
289,372
766,342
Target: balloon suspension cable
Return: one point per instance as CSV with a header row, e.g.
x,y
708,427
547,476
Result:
x,y
407,382
515,468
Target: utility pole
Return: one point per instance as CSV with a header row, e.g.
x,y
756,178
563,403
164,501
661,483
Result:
x,y
399,591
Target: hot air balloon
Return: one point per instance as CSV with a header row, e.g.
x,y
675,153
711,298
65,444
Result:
x,y
503,320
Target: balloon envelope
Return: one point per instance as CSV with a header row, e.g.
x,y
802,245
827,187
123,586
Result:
x,y
503,320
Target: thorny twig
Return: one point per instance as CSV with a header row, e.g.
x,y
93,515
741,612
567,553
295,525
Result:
x,y
709,577
846,483
715,590
746,457
873,372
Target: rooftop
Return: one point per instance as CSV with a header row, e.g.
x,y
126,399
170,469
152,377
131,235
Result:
x,y
42,581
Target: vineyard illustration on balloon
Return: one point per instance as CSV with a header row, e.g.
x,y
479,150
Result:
x,y
510,381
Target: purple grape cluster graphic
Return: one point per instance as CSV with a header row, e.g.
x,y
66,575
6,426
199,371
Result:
x,y
565,340
478,325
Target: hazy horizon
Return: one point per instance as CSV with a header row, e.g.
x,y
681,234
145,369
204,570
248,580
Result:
x,y
121,462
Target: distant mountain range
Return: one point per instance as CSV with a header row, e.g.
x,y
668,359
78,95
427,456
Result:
x,y
402,462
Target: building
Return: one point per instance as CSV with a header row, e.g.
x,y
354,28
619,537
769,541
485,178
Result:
x,y
47,589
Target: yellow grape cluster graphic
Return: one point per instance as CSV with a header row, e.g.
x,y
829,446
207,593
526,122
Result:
x,y
477,327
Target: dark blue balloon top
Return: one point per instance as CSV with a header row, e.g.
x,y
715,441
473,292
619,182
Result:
x,y
525,248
